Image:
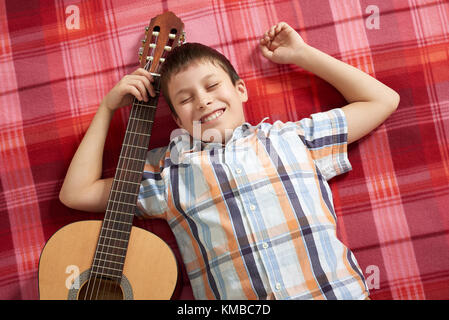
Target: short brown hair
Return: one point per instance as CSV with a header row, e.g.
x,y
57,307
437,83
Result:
x,y
182,56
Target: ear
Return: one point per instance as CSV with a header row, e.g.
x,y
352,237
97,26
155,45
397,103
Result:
x,y
241,89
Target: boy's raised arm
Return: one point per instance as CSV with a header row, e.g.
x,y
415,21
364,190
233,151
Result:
x,y
83,189
370,101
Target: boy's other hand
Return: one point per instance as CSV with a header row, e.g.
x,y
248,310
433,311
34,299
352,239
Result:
x,y
281,44
137,84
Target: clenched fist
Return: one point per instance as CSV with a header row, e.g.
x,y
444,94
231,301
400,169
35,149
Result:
x,y
137,84
281,44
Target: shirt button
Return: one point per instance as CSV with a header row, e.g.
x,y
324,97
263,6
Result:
x,y
278,286
238,170
264,245
252,207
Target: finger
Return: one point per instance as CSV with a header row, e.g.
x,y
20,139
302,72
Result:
x,y
265,41
145,73
266,52
150,78
271,32
279,27
139,85
135,92
286,26
146,82
266,37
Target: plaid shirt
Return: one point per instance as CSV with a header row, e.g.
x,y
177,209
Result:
x,y
254,219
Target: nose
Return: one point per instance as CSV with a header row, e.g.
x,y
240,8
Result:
x,y
204,100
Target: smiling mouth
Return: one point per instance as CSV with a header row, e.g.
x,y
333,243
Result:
x,y
213,116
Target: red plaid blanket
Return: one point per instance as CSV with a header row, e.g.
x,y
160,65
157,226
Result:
x,y
58,59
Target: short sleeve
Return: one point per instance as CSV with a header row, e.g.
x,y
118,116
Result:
x,y
326,136
152,198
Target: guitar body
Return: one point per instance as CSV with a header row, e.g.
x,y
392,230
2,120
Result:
x,y
68,254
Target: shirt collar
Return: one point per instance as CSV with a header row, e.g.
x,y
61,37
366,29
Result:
x,y
183,143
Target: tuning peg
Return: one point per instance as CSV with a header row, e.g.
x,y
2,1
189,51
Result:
x,y
182,38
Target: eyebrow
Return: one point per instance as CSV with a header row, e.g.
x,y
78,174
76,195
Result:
x,y
186,89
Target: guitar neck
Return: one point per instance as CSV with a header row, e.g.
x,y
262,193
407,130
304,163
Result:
x,y
126,183
115,231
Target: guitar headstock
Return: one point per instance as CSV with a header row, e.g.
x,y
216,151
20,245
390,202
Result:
x,y
165,32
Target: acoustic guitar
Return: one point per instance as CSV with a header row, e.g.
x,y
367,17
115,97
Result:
x,y
112,259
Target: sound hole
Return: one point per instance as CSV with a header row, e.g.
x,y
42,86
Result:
x,y
100,289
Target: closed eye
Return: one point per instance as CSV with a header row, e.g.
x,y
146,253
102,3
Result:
x,y
213,85
185,100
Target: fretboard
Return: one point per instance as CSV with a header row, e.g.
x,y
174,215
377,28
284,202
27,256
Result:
x,y
116,228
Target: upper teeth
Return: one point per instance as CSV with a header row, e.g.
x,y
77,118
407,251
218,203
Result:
x,y
213,116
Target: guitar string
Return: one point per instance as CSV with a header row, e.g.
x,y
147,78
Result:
x,y
107,235
112,224
119,203
97,254
146,109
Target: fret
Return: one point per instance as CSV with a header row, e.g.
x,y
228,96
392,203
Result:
x,y
138,154
116,234
128,194
118,277
122,222
129,170
144,120
142,134
136,183
124,192
107,267
110,246
110,254
126,232
108,261
121,212
133,146
125,203
104,267
122,198
112,243
129,158
114,239
144,105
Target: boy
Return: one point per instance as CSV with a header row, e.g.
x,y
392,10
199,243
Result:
x,y
250,206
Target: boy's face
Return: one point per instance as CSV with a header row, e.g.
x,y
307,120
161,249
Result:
x,y
208,105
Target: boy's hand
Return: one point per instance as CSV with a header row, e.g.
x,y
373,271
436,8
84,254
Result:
x,y
136,84
281,44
